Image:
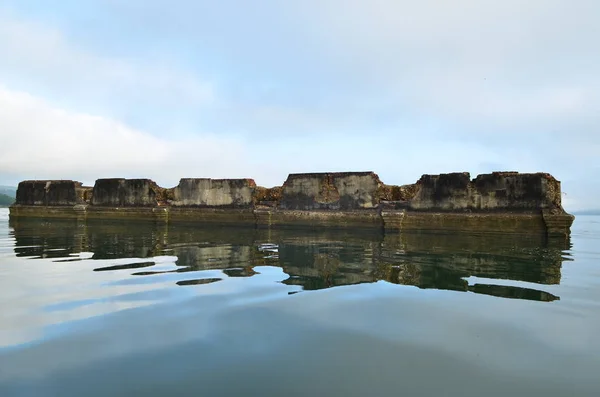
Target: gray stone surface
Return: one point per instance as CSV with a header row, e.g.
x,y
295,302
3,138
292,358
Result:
x,y
48,193
496,202
516,191
205,192
499,191
119,192
330,191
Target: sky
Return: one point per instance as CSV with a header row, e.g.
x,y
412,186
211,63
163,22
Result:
x,y
238,89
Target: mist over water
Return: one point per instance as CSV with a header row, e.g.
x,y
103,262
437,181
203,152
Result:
x,y
121,309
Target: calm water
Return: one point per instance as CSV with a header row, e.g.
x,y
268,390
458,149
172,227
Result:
x,y
128,309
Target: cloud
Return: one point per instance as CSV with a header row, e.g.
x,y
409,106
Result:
x,y
42,141
39,58
469,61
401,88
479,68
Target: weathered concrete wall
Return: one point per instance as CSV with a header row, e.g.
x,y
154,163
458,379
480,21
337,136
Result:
x,y
330,191
443,192
213,215
205,192
497,202
480,223
455,192
318,219
514,191
48,193
121,192
499,191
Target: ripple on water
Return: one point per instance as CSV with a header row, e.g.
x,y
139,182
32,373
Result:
x,y
379,314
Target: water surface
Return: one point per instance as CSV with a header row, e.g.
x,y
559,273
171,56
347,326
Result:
x,y
122,309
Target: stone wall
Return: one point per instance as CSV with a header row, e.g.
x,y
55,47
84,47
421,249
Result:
x,y
443,192
121,192
499,191
330,191
497,202
514,191
343,191
48,193
205,192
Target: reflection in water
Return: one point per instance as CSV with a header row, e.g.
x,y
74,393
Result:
x,y
135,265
443,261
240,272
199,281
512,292
313,260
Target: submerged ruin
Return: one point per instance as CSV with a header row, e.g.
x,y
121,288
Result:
x,y
496,202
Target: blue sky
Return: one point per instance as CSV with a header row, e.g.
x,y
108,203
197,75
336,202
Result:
x,y
171,89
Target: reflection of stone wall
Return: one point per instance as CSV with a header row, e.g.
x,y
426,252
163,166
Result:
x,y
213,257
56,238
313,260
322,261
512,292
432,260
442,261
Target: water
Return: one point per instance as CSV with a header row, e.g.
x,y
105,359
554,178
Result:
x,y
124,309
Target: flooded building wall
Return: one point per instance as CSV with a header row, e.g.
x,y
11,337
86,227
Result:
x,y
497,202
316,191
120,192
47,192
509,191
206,192
330,191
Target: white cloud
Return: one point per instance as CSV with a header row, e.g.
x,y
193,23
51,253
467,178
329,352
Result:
x,y
39,57
480,61
401,88
45,142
